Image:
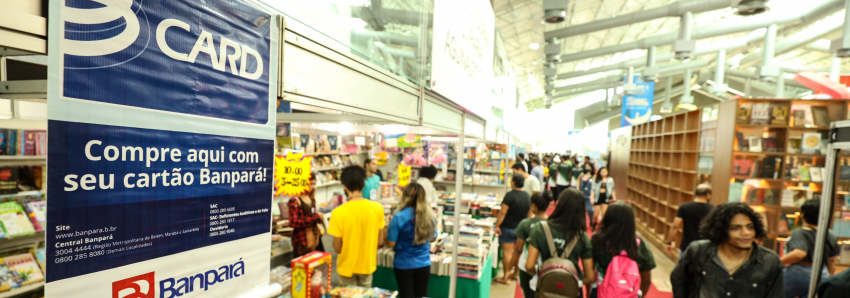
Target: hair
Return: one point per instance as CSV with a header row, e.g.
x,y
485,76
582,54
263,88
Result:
x,y
428,172
366,162
518,167
535,161
569,213
353,178
703,190
715,225
592,167
617,232
520,155
518,180
599,174
413,196
541,200
810,211
565,158
312,193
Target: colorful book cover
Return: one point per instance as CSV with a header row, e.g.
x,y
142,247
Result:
x,y
26,268
38,214
805,175
8,279
743,114
29,142
40,255
760,114
14,220
41,143
10,147
4,141
8,180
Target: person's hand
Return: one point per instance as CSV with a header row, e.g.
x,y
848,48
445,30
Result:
x,y
669,248
498,231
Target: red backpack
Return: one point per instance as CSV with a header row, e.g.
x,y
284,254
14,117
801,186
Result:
x,y
622,279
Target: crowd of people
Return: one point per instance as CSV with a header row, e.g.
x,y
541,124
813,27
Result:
x,y
589,231
719,253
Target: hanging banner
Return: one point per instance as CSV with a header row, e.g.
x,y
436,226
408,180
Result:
x,y
161,120
462,53
403,175
637,108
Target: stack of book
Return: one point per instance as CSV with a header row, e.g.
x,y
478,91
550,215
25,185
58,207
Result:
x,y
386,256
470,252
21,269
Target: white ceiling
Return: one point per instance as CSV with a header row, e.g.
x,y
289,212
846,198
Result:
x,y
519,22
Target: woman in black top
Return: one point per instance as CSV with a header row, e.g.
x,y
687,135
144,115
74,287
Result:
x,y
800,251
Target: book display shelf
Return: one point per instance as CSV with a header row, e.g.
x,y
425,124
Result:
x,y
663,171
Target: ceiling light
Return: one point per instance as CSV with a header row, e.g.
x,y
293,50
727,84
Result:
x,y
555,11
534,46
378,43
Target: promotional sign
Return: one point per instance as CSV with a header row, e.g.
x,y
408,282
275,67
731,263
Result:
x,y
637,108
462,53
161,121
292,174
404,140
403,174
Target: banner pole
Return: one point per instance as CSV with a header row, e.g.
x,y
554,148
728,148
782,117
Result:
x,y
458,192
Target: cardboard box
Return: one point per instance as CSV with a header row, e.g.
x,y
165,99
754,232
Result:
x,y
311,275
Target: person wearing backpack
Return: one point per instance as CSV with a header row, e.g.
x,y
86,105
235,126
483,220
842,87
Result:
x,y
560,242
539,203
624,261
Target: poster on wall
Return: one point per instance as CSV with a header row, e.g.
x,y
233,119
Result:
x,y
160,165
462,53
637,108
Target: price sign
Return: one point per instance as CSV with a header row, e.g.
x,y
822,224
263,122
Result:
x,y
292,174
403,174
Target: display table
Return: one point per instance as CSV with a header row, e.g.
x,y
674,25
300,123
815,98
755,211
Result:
x,y
438,286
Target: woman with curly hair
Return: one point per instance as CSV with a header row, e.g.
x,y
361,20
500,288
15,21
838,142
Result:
x,y
729,263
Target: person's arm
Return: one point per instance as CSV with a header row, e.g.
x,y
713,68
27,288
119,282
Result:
x,y
589,272
392,232
381,235
611,190
532,260
645,282
518,247
677,226
338,245
792,257
830,267
501,218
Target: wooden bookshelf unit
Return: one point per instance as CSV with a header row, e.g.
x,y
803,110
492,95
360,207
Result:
x,y
663,171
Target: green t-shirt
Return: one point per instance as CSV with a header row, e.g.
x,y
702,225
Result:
x,y
582,250
523,230
645,260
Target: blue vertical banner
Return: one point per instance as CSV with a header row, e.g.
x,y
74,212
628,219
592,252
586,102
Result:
x,y
637,108
161,124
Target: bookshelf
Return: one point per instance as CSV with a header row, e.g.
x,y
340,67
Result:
x,y
755,151
662,171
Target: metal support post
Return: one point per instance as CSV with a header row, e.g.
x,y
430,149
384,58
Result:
x,y
835,69
458,192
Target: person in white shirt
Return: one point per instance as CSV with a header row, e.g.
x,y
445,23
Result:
x,y
426,179
531,185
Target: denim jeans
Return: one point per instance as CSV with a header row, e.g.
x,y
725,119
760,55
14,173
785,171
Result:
x,y
796,278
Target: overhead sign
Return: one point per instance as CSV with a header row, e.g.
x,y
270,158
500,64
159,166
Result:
x,y
637,108
161,148
462,53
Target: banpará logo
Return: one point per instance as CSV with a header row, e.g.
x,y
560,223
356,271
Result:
x,y
111,11
141,286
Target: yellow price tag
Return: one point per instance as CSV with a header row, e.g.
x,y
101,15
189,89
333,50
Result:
x,y
403,174
292,174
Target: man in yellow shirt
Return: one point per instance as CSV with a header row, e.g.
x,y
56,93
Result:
x,y
357,227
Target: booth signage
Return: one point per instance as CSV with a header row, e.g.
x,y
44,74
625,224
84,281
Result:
x,y
403,175
292,174
161,148
462,53
637,108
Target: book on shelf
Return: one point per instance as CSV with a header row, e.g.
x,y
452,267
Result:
x,y
805,174
8,278
820,115
794,144
760,114
742,144
771,167
780,115
37,211
787,198
40,255
736,191
26,267
755,143
14,220
769,144
742,167
743,113
811,143
799,116
816,173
